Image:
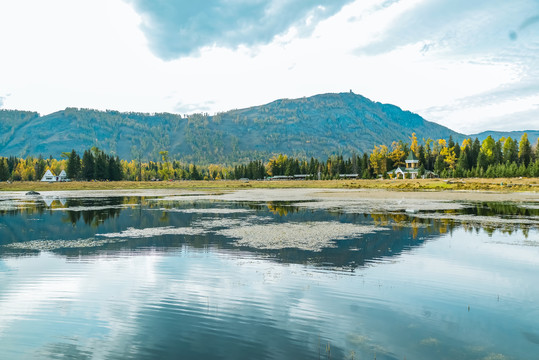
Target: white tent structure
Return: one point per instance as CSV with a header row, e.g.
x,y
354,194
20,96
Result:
x,y
63,176
50,177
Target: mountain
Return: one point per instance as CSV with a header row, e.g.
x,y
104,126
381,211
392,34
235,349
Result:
x,y
318,126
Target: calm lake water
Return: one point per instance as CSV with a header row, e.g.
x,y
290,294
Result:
x,y
187,278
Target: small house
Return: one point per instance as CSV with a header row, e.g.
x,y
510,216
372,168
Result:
x,y
411,171
50,177
63,176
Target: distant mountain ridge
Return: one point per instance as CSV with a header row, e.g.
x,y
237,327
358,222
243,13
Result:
x,y
317,126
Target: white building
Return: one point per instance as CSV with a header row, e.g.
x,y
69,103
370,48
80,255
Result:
x,y
50,177
63,176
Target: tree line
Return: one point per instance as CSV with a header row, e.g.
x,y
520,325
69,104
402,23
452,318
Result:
x,y
445,158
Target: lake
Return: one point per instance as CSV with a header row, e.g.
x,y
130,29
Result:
x,y
266,275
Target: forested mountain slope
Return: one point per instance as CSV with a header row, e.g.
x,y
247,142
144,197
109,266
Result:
x,y
317,126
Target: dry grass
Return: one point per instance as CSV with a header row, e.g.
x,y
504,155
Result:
x,y
503,184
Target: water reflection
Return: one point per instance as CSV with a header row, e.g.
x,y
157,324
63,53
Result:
x,y
138,278
26,233
79,226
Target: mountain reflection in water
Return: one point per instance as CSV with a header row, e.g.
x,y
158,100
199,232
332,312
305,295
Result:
x,y
72,219
88,217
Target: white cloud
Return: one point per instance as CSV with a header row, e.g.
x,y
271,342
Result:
x,y
464,118
448,61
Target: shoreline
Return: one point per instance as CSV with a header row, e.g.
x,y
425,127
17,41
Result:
x,y
331,195
425,186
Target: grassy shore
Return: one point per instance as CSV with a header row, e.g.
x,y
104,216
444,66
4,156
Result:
x,y
500,184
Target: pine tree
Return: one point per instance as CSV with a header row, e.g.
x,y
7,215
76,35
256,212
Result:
x,y
497,153
474,153
482,161
115,169
101,167
73,165
193,172
439,165
450,142
421,156
40,167
524,150
457,149
4,170
462,163
88,165
510,150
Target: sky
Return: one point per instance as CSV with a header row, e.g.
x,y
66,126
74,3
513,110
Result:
x,y
468,65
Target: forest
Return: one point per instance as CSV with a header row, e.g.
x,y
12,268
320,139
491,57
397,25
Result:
x,y
506,157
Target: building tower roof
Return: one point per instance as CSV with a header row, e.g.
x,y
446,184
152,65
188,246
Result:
x,y
411,157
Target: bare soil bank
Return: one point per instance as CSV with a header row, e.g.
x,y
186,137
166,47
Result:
x,y
404,199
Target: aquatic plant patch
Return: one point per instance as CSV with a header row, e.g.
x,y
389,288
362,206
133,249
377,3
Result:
x,y
310,236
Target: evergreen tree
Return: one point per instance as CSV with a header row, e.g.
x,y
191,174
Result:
x,y
4,170
193,173
474,153
289,171
421,155
463,161
497,153
101,169
262,170
450,142
73,165
510,150
439,165
421,171
12,163
313,166
368,172
115,169
40,167
533,169
88,165
482,161
524,150
457,150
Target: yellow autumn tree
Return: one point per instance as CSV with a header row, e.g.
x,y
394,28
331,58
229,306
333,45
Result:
x,y
465,143
378,159
441,144
450,158
165,172
56,166
397,154
131,170
215,171
414,146
276,164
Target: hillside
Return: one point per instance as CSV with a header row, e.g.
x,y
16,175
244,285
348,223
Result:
x,y
317,126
